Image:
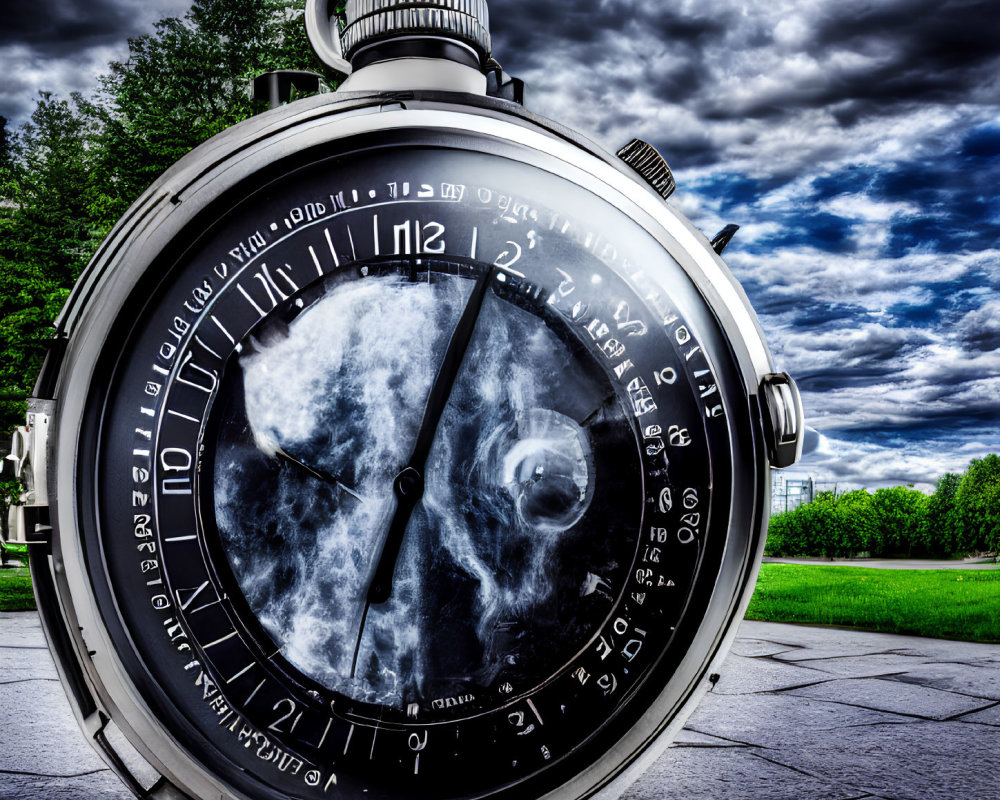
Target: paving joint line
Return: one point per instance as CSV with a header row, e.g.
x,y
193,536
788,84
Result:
x,y
876,710
861,655
47,775
958,717
864,796
27,680
728,739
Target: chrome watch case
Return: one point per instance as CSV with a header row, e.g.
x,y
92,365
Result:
x,y
446,101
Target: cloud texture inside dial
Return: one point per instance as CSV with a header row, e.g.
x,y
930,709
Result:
x,y
499,565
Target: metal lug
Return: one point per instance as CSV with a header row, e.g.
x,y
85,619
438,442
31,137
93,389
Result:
x,y
323,30
784,422
651,166
276,87
500,84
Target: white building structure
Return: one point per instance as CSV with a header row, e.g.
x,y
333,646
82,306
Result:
x,y
790,489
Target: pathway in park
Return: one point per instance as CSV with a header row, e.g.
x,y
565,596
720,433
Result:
x,y
800,713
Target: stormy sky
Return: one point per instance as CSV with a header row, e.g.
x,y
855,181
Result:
x,y
856,143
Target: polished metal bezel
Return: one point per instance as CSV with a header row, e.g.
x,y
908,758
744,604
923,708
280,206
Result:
x,y
169,207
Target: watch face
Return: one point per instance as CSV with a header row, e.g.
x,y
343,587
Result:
x,y
413,477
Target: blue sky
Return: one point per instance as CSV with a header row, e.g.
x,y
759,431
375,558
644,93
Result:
x,y
856,143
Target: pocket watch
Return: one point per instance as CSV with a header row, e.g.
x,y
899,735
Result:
x,y
400,443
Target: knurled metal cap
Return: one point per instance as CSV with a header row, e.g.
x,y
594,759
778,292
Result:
x,y
371,21
651,166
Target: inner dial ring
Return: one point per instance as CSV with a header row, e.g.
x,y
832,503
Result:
x,y
301,451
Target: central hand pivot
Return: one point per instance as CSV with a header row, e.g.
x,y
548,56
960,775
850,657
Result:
x,y
409,484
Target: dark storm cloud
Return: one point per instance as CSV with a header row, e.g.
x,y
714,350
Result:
x,y
857,143
56,28
980,329
920,51
62,46
719,64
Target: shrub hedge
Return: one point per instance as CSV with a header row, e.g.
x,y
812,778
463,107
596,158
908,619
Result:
x,y
962,516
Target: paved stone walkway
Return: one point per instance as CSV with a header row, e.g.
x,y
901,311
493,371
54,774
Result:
x,y
799,713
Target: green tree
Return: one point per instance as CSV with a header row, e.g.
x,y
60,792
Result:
x,y
898,512
47,240
829,526
857,524
977,503
939,523
184,83
6,147
52,223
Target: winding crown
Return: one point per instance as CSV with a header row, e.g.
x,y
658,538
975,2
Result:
x,y
373,21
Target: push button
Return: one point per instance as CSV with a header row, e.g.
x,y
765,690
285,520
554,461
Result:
x,y
784,423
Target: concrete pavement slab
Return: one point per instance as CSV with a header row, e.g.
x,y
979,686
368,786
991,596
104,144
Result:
x,y
975,680
754,648
99,785
893,697
890,563
711,773
744,675
865,666
747,720
776,726
940,761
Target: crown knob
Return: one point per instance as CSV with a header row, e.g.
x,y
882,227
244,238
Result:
x,y
371,23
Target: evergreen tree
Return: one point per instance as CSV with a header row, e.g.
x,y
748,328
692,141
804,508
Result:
x,y
47,240
52,227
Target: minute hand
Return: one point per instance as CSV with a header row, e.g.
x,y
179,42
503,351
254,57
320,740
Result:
x,y
409,483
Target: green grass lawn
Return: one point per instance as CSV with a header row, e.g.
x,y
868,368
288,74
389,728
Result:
x,y
942,604
15,583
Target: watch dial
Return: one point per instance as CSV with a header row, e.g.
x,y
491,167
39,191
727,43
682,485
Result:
x,y
419,463
500,561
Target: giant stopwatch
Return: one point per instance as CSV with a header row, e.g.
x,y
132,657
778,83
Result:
x,y
401,444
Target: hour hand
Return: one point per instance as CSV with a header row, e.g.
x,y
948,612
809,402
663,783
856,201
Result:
x,y
319,474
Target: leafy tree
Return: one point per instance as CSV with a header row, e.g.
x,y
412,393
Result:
x,y
977,503
29,301
829,526
184,83
8,186
52,224
6,147
47,240
937,534
858,524
898,512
